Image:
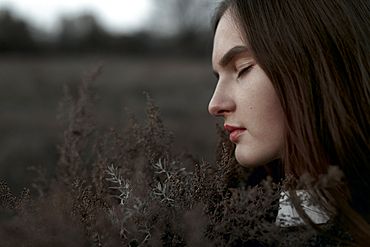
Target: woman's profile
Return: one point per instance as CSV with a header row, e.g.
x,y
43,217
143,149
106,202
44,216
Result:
x,y
294,86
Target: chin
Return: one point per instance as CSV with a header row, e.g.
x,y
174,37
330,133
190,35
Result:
x,y
248,159
244,161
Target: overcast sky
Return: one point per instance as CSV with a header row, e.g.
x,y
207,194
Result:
x,y
115,15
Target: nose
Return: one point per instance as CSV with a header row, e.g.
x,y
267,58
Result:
x,y
221,103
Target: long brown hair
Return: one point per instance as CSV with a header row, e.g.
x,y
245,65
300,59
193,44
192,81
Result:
x,y
317,55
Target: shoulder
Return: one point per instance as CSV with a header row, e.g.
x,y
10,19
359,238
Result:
x,y
333,234
306,236
295,230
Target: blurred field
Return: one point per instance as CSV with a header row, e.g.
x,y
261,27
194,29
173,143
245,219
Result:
x,y
31,89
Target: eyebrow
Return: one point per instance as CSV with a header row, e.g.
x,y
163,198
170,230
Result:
x,y
230,54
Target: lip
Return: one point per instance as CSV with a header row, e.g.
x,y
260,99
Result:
x,y
235,132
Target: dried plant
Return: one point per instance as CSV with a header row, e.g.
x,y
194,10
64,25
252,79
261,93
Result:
x,y
130,189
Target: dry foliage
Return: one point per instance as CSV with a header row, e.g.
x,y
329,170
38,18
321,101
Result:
x,y
129,189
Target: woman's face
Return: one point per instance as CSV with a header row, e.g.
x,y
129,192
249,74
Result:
x,y
245,98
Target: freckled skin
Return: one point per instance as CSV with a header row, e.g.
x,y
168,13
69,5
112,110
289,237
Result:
x,y
248,101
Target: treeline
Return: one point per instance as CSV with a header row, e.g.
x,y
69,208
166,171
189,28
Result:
x,y
83,34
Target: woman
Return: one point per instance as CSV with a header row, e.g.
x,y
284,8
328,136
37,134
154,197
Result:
x,y
294,86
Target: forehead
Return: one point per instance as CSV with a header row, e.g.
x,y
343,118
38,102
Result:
x,y
227,36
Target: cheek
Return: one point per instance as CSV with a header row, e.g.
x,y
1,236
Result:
x,y
273,114
261,108
264,119
271,117
261,146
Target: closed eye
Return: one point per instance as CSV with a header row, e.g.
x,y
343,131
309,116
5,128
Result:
x,y
244,70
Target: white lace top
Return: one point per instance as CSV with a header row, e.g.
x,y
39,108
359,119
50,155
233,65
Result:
x,y
288,216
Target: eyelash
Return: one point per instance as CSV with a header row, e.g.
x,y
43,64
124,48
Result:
x,y
243,71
